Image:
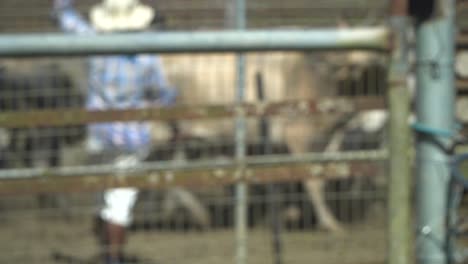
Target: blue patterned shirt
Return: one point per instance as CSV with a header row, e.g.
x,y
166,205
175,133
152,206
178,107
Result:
x,y
119,82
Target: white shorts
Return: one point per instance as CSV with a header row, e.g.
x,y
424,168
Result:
x,y
118,206
119,202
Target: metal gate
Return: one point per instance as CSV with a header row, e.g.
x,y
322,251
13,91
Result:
x,y
258,145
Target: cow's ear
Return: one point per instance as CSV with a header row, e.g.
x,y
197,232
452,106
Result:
x,y
421,10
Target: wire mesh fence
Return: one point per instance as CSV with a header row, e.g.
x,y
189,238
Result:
x,y
212,14
39,236
337,217
200,221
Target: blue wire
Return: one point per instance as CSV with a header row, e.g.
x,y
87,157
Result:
x,y
421,128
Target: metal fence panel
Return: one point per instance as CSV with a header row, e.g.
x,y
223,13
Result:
x,y
163,219
324,143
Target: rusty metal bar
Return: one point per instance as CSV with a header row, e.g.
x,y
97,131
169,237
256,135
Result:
x,y
462,40
62,117
200,41
202,177
462,85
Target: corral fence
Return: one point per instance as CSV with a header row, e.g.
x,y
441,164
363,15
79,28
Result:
x,y
292,139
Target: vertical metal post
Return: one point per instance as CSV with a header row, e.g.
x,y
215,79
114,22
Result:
x,y
435,109
399,224
241,188
274,198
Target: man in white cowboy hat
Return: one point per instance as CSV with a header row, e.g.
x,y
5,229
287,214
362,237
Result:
x,y
118,82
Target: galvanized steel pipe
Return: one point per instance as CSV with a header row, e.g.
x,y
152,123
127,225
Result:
x,y
201,41
435,109
242,194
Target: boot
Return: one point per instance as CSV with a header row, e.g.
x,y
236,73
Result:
x,y
111,237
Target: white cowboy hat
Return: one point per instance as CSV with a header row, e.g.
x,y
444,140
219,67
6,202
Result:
x,y
120,15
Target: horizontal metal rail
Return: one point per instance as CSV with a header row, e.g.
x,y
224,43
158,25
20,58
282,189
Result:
x,y
174,165
264,169
62,117
199,41
209,177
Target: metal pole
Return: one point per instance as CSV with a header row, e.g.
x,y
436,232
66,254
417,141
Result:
x,y
201,41
241,187
274,198
399,244
435,109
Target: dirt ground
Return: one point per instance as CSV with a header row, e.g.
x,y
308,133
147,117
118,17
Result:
x,y
31,238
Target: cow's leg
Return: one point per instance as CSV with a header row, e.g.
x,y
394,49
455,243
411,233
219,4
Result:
x,y
325,217
298,135
196,208
316,193
179,197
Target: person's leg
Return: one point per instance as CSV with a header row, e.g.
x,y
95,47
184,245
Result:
x,y
116,216
116,236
